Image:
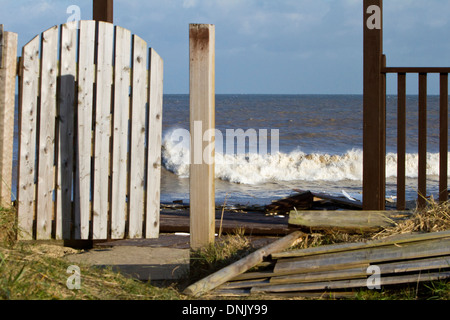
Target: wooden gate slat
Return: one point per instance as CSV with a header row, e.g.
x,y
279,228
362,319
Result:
x,y
27,138
154,144
66,129
120,132
102,131
84,144
137,166
45,183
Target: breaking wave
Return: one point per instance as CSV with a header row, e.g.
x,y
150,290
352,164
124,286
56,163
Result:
x,y
256,169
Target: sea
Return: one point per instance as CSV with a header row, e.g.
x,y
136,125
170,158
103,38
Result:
x,y
314,142
320,142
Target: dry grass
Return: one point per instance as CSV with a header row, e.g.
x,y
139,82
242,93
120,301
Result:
x,y
8,227
39,272
224,251
36,271
434,217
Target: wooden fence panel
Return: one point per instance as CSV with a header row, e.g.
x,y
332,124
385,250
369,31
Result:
x,y
120,132
138,113
102,131
83,174
29,85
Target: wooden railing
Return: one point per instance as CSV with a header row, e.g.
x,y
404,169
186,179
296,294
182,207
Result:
x,y
422,148
374,136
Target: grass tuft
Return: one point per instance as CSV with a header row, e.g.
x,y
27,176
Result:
x,y
34,271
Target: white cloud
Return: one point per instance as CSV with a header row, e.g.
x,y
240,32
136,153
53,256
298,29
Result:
x,y
190,3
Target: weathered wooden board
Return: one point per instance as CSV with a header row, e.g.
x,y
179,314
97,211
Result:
x,y
351,283
8,70
66,129
355,205
216,279
100,197
154,144
121,110
47,121
28,110
252,223
138,131
340,247
371,255
301,201
86,69
330,275
346,221
202,123
425,258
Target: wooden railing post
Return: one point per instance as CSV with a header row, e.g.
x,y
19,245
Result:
x,y
202,124
8,68
103,10
443,139
374,142
422,183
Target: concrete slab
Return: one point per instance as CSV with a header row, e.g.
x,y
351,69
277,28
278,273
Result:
x,y
143,263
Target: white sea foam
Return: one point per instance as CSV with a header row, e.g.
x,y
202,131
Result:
x,y
296,165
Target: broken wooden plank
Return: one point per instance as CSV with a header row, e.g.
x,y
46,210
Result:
x,y
346,221
258,275
415,265
306,295
301,201
352,283
245,284
357,205
331,275
216,279
421,249
340,247
253,223
361,271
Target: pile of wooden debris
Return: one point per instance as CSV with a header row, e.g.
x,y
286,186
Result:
x,y
417,249
327,270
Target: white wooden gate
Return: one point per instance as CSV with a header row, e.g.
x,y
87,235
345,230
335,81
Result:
x,y
90,134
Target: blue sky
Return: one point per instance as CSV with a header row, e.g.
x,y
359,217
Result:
x,y
266,46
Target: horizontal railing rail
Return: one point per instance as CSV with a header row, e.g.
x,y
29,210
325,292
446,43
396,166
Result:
x,y
415,70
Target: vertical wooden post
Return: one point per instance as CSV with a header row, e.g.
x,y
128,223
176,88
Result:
x,y
374,145
443,139
422,184
401,142
202,124
103,10
8,68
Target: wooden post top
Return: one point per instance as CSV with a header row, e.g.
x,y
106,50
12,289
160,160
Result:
x,y
103,10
